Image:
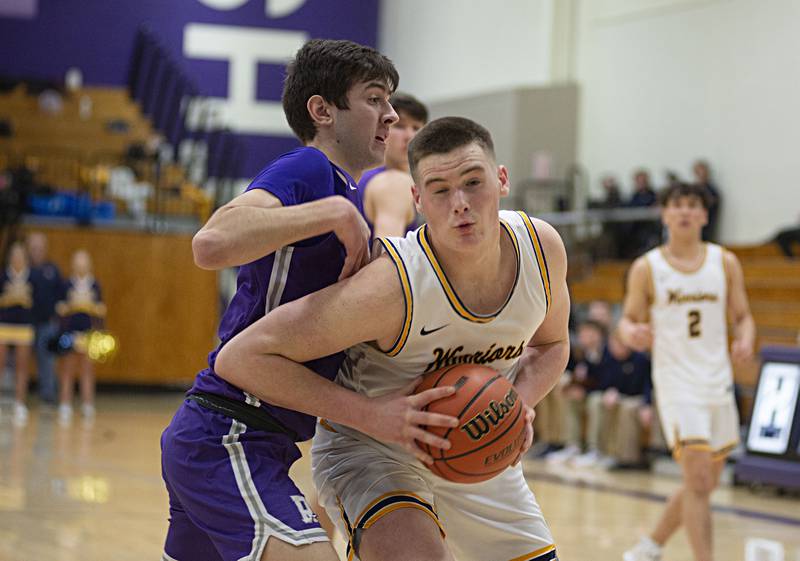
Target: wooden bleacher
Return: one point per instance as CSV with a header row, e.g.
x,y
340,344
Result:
x,y
68,151
773,287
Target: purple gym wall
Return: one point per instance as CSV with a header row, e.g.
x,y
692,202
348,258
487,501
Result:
x,y
235,50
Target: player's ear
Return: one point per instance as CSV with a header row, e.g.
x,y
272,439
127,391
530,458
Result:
x,y
416,194
319,110
502,177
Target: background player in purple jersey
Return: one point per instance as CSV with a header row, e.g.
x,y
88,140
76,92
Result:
x,y
297,229
386,190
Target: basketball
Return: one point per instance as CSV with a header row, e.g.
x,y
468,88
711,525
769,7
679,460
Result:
x,y
491,425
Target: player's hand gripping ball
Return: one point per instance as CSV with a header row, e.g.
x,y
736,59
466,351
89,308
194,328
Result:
x,y
491,428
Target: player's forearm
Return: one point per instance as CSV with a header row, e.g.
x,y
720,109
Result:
x,y
285,383
744,329
540,369
241,234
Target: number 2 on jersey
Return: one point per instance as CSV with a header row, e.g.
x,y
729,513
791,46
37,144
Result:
x,y
694,323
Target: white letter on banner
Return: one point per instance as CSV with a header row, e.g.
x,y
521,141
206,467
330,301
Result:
x,y
224,4
282,8
244,48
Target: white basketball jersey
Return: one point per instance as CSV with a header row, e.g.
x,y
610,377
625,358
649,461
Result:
x,y
689,319
439,330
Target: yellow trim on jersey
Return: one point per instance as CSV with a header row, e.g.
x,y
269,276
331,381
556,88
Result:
x,y
327,426
662,251
651,283
452,296
544,273
533,555
722,453
11,334
407,294
396,500
350,549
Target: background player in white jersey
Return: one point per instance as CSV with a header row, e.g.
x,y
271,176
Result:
x,y
679,299
474,284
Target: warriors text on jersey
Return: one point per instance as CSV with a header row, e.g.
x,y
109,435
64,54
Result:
x,y
439,330
688,314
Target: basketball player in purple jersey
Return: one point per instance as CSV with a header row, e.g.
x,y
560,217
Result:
x,y
297,228
386,190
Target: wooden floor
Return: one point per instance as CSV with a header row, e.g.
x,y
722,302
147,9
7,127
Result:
x,y
94,492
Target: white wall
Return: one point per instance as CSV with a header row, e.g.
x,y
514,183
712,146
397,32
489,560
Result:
x,y
666,81
455,48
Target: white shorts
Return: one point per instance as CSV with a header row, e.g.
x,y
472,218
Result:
x,y
701,427
359,480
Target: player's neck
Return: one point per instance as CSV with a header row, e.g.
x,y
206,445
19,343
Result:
x,y
336,157
398,166
685,248
479,266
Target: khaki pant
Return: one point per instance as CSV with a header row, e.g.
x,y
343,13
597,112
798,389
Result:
x,y
574,410
615,431
548,425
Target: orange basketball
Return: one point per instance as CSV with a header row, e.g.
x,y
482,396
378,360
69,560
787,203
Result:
x,y
491,425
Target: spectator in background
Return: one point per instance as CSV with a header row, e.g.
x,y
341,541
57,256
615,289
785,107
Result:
x,y
614,428
81,311
47,290
672,179
612,197
16,324
702,175
786,237
641,234
643,193
576,386
613,232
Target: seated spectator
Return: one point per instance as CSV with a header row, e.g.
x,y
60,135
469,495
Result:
x,y
643,193
702,175
577,384
614,431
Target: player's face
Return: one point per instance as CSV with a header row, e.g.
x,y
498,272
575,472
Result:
x,y
459,195
400,134
361,131
685,215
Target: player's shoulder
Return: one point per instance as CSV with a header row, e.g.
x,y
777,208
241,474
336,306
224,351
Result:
x,y
305,164
539,230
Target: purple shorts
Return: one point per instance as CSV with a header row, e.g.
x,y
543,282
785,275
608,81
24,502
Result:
x,y
229,489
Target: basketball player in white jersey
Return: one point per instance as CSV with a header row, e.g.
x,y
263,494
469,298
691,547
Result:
x,y
679,299
474,285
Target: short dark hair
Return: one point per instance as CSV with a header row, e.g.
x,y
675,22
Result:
x,y
445,135
410,105
329,68
678,190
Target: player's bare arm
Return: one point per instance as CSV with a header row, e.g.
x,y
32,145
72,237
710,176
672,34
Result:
x,y
265,358
634,326
546,355
255,224
389,203
744,327
544,359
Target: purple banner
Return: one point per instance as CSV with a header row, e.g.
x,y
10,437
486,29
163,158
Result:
x,y
234,50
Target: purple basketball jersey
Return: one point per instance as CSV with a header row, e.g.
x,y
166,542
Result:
x,y
228,483
300,176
